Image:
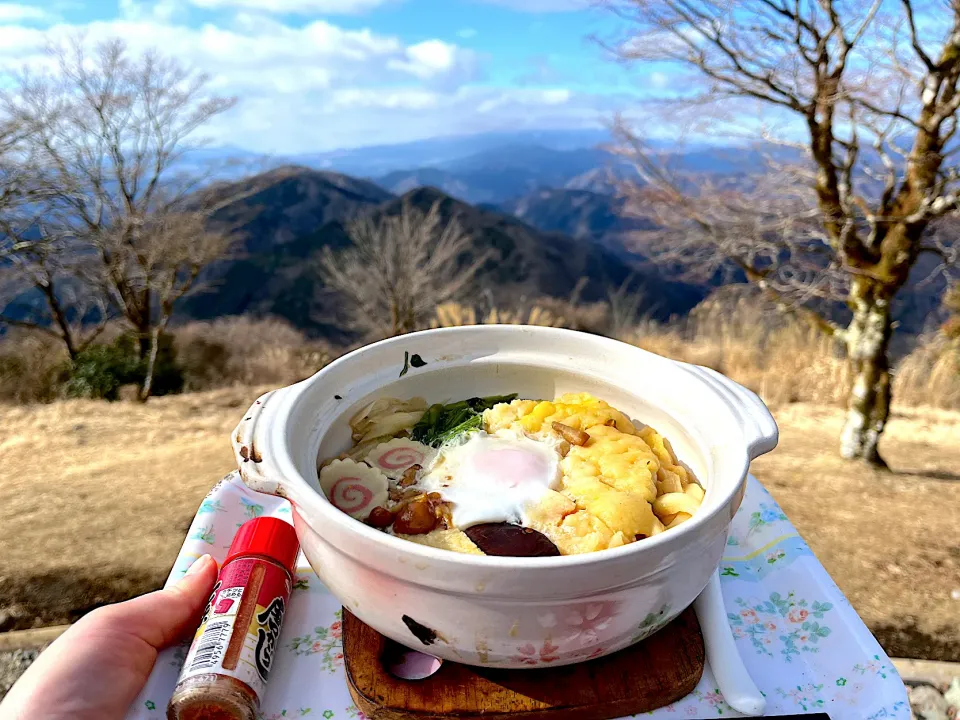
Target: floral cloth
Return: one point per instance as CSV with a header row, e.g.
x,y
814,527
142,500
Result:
x,y
802,642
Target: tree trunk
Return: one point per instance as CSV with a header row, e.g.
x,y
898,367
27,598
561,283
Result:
x,y
147,387
60,318
144,342
867,340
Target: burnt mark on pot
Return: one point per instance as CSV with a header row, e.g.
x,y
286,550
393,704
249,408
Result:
x,y
420,632
250,453
411,361
337,397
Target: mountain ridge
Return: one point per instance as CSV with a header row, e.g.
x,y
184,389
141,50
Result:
x,y
279,278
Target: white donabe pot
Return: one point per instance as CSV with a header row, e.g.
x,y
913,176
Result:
x,y
502,611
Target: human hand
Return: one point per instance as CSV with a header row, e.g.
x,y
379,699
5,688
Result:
x,y
95,670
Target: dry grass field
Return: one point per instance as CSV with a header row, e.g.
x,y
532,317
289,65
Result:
x,y
95,499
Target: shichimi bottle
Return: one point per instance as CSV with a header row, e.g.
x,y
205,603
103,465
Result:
x,y
225,673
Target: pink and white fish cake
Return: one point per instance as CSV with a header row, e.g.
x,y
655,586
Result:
x,y
354,488
394,457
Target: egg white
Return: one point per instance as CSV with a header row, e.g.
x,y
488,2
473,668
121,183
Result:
x,y
493,477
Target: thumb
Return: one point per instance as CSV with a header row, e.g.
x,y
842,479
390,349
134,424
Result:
x,y
161,618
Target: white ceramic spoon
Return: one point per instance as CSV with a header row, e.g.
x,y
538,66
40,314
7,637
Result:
x,y
734,682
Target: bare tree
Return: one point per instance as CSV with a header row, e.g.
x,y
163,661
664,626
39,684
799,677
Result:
x,y
107,136
71,308
862,99
399,269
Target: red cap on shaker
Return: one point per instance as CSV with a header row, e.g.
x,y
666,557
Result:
x,y
268,536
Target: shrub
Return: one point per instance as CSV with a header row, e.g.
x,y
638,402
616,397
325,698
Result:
x,y
246,351
32,366
99,371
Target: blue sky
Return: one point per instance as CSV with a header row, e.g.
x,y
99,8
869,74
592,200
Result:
x,y
315,75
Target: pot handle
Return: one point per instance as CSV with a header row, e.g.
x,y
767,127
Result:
x,y
759,427
249,441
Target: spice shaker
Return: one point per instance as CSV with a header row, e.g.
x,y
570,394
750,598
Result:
x,y
225,673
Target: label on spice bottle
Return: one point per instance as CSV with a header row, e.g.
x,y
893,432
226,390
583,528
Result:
x,y
240,629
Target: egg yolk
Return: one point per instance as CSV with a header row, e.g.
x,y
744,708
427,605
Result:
x,y
510,467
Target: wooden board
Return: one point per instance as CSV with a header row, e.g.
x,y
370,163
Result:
x,y
660,670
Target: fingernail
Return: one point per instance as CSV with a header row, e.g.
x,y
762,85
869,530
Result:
x,y
198,564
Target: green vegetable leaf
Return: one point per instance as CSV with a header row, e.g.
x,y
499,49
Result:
x,y
441,423
473,423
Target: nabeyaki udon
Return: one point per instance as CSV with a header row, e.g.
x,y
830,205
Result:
x,y
505,476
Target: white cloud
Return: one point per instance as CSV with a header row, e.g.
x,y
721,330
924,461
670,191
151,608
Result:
x,y
158,10
13,12
466,33
406,99
320,86
374,116
557,96
258,54
659,80
541,6
427,59
300,7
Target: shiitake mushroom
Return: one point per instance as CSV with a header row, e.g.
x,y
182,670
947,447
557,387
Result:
x,y
507,540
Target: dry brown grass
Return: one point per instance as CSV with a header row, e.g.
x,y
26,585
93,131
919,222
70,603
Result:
x,y
95,499
888,539
242,351
782,359
930,375
457,315
783,362
223,353
546,312
31,365
97,496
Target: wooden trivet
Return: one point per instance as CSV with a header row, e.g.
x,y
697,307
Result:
x,y
656,672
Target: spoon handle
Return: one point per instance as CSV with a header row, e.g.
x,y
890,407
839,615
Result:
x,y
734,682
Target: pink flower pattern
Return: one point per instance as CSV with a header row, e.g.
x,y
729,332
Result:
x,y
528,654
584,624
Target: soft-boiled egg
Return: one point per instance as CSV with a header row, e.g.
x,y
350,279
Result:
x,y
493,478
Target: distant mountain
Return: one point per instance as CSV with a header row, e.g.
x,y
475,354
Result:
x,y
291,201
581,214
502,173
598,180
525,261
280,279
274,212
506,172
401,181
377,160
457,152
